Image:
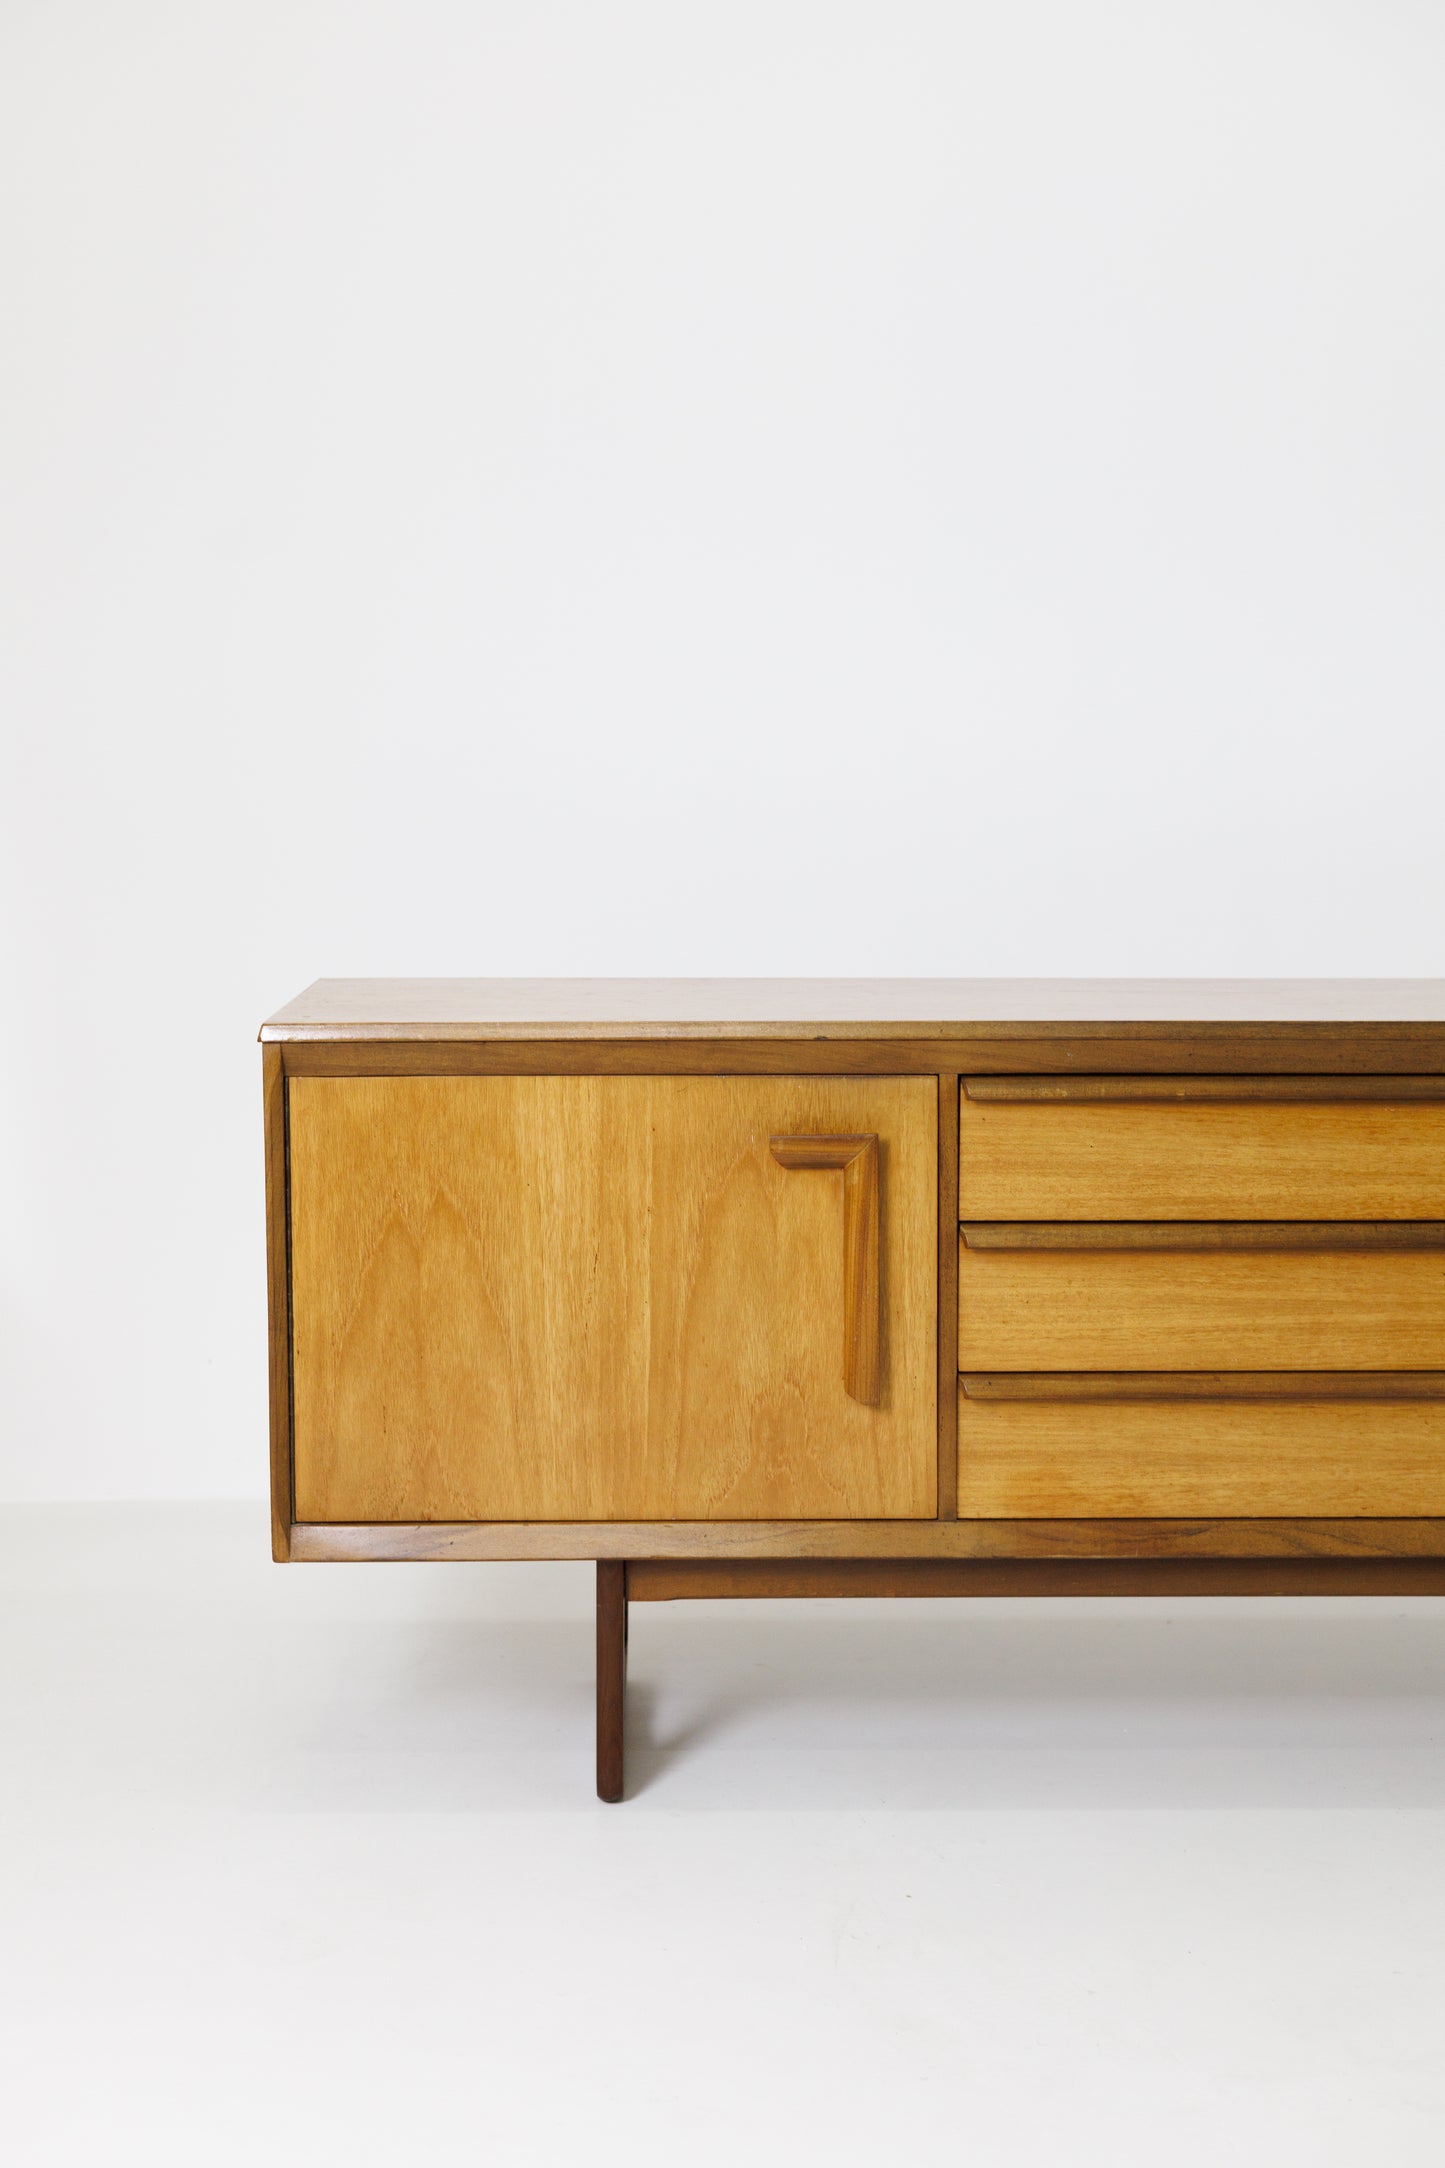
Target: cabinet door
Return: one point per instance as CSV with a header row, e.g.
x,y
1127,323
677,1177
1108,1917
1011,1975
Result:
x,y
613,1298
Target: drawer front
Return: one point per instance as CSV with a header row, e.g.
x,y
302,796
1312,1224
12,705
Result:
x,y
1025,1460
609,1298
1142,1309
1127,1159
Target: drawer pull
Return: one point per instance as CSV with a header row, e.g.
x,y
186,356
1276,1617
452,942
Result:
x,y
1203,1234
1204,1090
1205,1385
857,1157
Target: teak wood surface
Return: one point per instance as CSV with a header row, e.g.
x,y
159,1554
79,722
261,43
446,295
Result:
x,y
1401,1234
1201,1090
1046,1159
1240,1049
602,1299
866,1026
1201,1536
666,1580
1204,1385
278,1299
1160,1460
898,1009
1201,1309
856,1159
612,1594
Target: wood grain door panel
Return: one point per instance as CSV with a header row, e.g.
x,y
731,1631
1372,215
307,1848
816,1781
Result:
x,y
1056,1459
1201,1309
1155,1161
602,1298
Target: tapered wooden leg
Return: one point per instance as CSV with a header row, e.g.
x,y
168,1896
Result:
x,y
611,1674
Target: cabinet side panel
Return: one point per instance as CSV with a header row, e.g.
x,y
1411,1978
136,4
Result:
x,y
278,1305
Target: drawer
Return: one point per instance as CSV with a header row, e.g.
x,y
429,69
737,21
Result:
x,y
1199,1309
1066,1459
607,1298
1104,1151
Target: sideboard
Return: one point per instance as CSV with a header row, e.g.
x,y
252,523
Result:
x,y
861,1287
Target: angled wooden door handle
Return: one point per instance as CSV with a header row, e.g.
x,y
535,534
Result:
x,y
862,1285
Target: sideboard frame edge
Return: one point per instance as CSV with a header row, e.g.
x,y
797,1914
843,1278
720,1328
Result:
x,y
1001,1542
668,1580
1112,1049
278,1300
946,1322
1278,1049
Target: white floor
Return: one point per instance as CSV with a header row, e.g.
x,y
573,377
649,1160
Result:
x,y
305,1865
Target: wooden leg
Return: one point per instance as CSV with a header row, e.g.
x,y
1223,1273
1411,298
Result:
x,y
611,1674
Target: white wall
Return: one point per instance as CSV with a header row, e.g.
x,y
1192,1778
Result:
x,y
909,488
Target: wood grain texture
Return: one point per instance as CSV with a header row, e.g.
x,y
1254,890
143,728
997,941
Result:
x,y
947,1298
1314,1048
1202,1536
1200,1310
1180,1160
1339,1049
1052,1460
278,1313
601,1299
612,1594
854,1008
1204,1385
666,1580
1201,1090
856,1159
1203,1235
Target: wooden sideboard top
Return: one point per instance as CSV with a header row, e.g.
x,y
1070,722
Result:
x,y
897,1009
